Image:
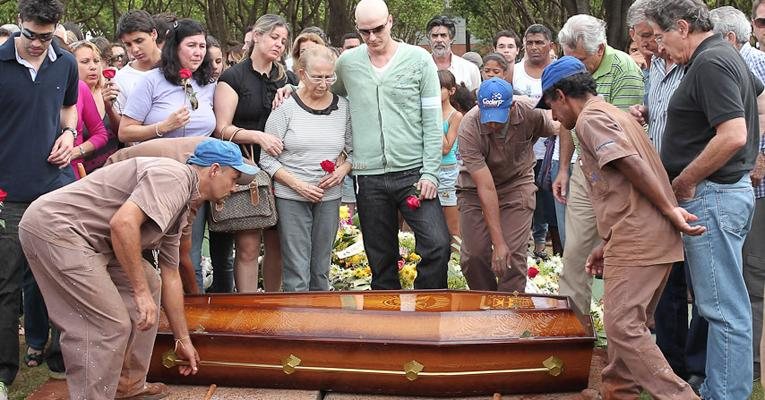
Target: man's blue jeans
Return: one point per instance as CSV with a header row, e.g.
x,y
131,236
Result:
x,y
379,200
715,263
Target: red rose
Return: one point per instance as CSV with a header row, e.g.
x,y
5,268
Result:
x,y
3,195
413,202
401,263
532,272
328,166
109,73
185,73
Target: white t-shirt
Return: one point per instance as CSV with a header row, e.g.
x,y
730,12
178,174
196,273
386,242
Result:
x,y
532,88
126,79
465,71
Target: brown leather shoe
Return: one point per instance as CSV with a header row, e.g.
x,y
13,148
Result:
x,y
150,391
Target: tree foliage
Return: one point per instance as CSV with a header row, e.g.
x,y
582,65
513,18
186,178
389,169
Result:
x,y
227,19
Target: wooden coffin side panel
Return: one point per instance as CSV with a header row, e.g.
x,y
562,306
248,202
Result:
x,y
382,367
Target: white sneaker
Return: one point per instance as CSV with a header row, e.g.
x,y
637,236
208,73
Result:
x,y
3,391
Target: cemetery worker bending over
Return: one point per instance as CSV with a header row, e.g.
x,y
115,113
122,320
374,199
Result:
x,y
84,245
496,190
638,221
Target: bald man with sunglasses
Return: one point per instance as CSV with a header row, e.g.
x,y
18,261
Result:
x,y
395,100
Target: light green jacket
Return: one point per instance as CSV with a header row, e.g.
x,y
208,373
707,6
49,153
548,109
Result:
x,y
396,118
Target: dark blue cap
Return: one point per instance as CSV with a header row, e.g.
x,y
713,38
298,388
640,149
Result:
x,y
225,154
557,70
495,96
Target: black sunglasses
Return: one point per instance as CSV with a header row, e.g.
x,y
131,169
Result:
x,y
376,31
43,37
759,22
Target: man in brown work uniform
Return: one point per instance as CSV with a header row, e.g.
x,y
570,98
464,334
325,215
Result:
x,y
638,220
84,245
178,149
495,189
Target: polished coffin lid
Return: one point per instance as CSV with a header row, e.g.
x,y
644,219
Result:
x,y
438,342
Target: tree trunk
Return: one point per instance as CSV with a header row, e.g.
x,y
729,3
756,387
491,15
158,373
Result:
x,y
339,20
616,23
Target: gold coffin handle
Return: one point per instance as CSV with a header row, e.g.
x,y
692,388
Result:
x,y
554,365
412,370
290,363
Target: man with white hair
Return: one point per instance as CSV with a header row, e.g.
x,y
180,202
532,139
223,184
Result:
x,y
441,33
620,82
735,28
395,98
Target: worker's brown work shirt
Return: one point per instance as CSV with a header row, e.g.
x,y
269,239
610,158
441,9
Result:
x,y
638,232
509,153
78,215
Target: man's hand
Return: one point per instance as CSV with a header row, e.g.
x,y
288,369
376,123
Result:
x,y
594,264
639,112
282,94
759,170
560,185
500,260
147,310
60,154
186,351
680,219
684,191
428,189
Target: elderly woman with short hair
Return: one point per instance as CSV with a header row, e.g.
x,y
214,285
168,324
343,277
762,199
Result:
x,y
315,126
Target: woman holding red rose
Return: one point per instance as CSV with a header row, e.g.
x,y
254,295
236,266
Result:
x,y
96,139
315,126
176,99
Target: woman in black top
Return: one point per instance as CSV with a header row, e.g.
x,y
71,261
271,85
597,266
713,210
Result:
x,y
243,100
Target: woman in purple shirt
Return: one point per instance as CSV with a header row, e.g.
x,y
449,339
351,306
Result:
x,y
161,105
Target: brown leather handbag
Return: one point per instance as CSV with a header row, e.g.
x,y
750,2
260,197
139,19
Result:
x,y
248,207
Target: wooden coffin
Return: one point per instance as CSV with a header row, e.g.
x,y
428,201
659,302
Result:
x,y
430,343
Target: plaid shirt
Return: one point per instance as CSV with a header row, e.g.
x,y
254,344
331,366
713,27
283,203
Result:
x,y
755,59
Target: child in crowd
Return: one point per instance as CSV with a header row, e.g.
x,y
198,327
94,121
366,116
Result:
x,y
494,64
447,176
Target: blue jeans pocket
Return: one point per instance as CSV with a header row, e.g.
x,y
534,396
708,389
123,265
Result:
x,y
736,208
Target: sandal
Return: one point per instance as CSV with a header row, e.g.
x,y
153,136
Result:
x,y
33,358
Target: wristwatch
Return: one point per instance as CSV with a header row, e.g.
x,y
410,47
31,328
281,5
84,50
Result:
x,y
74,132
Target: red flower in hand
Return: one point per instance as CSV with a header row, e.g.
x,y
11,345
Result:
x,y
3,195
413,202
185,73
328,166
109,73
532,272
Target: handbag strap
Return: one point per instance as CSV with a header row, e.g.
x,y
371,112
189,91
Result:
x,y
249,152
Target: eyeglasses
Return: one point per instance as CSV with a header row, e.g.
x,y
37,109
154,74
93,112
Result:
x,y
330,79
376,30
43,37
117,58
759,22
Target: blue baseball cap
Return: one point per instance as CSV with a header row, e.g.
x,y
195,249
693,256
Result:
x,y
226,154
495,96
557,70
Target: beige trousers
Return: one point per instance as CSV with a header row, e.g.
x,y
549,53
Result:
x,y
581,237
89,298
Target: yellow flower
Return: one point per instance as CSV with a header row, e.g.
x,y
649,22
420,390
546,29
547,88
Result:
x,y
414,257
345,213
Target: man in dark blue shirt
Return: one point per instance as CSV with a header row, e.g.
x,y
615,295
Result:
x,y
38,94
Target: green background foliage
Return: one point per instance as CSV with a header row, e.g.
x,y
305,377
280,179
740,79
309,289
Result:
x,y
227,19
